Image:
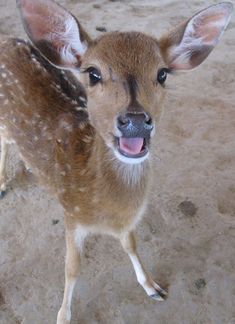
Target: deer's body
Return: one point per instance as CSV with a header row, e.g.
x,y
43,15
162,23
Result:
x,y
61,147
88,138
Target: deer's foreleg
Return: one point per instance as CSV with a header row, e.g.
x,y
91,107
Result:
x,y
152,289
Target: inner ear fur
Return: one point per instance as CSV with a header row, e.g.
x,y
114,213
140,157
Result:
x,y
54,31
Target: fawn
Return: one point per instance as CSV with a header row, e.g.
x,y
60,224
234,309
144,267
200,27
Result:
x,y
83,113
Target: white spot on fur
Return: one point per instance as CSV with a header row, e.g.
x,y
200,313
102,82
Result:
x,y
82,189
82,99
82,172
87,139
82,125
79,109
77,209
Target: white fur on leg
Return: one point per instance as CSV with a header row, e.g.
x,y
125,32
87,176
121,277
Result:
x,y
4,151
64,314
141,275
75,241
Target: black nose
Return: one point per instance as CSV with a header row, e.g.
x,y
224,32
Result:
x,y
135,124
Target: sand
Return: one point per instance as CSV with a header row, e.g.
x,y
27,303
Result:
x,y
187,238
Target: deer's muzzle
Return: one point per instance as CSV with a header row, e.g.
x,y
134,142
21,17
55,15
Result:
x,y
134,125
136,129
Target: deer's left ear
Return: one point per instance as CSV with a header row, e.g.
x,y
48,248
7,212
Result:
x,y
54,31
189,44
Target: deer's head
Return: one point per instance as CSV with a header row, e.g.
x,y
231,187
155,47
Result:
x,y
123,73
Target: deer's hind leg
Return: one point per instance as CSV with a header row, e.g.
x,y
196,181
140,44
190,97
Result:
x,y
3,162
74,243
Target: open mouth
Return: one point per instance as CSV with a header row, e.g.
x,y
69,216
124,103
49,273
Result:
x,y
132,147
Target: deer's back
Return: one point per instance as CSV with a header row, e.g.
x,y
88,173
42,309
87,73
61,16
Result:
x,y
43,110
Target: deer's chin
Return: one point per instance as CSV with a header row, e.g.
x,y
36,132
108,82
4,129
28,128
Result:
x,y
130,160
131,150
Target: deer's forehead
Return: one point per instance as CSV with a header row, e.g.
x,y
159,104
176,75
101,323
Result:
x,y
126,52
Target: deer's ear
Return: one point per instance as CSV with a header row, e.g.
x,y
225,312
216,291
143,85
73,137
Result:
x,y
189,44
54,31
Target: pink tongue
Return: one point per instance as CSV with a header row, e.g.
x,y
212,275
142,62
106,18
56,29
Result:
x,y
131,145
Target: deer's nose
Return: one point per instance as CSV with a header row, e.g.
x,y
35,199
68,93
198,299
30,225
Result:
x,y
135,124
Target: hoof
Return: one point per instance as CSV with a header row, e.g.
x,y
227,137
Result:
x,y
160,294
2,194
62,318
157,297
163,292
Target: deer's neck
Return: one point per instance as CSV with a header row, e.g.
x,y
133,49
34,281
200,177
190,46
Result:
x,y
116,177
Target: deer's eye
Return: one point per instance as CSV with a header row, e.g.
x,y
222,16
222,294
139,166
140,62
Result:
x,y
94,76
162,75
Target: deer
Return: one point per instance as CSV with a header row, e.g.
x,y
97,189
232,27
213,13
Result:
x,y
84,112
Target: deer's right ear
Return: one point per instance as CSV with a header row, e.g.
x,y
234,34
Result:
x,y
54,31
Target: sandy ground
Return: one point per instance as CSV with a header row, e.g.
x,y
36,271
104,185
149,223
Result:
x,y
187,238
